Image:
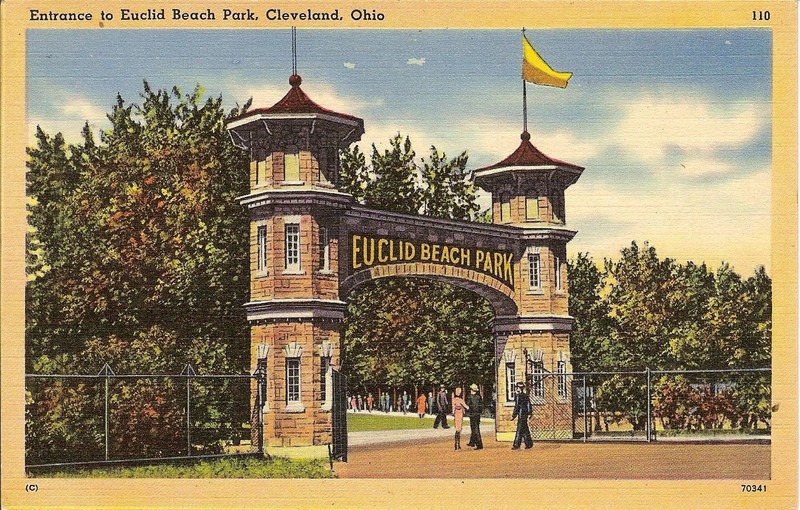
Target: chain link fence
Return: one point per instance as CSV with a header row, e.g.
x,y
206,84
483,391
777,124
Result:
x,y
107,417
654,405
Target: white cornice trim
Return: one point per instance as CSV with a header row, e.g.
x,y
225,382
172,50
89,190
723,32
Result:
x,y
509,324
295,309
278,195
292,116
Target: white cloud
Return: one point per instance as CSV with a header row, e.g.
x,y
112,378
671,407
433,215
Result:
x,y
84,110
349,65
653,125
501,139
416,61
704,167
68,117
705,223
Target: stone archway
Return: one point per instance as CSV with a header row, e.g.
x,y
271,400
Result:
x,y
311,244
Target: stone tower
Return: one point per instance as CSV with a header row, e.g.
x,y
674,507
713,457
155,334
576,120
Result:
x,y
295,311
533,346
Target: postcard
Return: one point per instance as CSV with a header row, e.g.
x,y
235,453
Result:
x,y
399,255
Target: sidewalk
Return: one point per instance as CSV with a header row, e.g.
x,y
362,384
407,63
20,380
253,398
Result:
x,y
396,436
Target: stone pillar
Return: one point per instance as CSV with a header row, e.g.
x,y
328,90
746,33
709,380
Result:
x,y
303,346
531,350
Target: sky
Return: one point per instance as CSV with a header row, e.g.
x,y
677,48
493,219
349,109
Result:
x,y
672,126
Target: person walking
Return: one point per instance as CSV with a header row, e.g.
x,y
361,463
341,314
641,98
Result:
x,y
421,402
360,403
405,402
370,402
458,415
441,409
430,402
522,410
385,401
475,406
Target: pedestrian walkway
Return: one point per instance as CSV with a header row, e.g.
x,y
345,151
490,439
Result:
x,y
395,436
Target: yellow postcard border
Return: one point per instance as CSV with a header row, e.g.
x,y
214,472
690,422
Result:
x,y
407,493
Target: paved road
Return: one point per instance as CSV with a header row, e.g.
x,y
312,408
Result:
x,y
434,457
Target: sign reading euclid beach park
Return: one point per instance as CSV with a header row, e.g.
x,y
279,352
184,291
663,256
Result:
x,y
371,251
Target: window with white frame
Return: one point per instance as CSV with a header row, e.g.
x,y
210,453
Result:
x,y
534,271
511,380
292,246
557,269
292,380
291,168
324,250
562,379
537,387
261,248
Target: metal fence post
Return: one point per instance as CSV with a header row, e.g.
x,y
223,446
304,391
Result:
x,y
649,398
585,421
107,372
189,372
106,416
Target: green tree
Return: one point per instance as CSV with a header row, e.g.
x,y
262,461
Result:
x,y
137,256
590,349
414,332
142,230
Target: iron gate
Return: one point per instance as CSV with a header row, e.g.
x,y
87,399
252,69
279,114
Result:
x,y
339,416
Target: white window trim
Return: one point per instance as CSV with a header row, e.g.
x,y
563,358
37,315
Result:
x,y
326,353
557,272
293,351
294,268
259,270
327,404
538,369
561,377
511,383
531,287
294,406
325,255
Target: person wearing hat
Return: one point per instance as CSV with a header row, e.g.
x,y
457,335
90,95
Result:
x,y
442,406
522,410
475,406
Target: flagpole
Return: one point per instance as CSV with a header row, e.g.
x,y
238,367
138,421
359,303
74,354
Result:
x,y
524,99
524,106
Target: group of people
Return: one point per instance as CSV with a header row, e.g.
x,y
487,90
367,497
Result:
x,y
472,407
383,403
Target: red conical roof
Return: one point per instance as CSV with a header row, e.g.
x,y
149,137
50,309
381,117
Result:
x,y
528,155
296,101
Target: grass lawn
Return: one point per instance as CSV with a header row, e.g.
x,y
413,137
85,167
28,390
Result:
x,y
228,467
364,421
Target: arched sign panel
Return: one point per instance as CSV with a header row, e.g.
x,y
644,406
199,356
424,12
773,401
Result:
x,y
368,251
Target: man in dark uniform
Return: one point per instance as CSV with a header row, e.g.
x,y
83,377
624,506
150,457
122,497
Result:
x,y
522,410
442,406
475,404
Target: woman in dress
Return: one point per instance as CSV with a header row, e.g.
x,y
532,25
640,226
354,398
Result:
x,y
459,406
421,403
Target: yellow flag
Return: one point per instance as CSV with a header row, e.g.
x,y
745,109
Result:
x,y
536,70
